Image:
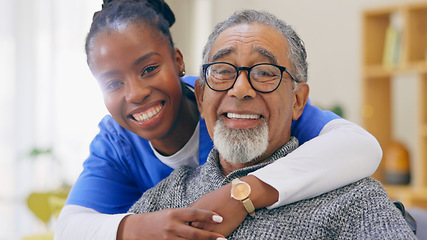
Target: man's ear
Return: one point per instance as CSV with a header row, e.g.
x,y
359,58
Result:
x,y
300,99
199,91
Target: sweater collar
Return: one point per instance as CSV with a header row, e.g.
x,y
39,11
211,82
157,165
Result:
x,y
214,165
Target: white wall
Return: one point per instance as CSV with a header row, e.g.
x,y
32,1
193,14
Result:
x,y
48,99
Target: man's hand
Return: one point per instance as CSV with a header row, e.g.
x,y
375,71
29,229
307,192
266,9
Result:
x,y
219,201
168,224
233,211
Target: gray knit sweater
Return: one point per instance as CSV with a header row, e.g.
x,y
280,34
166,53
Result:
x,y
361,210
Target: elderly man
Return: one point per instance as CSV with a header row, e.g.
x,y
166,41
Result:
x,y
253,86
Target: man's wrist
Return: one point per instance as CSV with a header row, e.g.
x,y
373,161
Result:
x,y
240,191
262,194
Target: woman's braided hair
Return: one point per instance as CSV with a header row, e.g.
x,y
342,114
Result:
x,y
160,6
116,13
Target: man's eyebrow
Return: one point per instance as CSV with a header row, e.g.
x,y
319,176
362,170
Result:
x,y
255,50
264,52
223,52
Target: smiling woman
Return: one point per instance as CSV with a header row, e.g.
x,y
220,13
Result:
x,y
135,80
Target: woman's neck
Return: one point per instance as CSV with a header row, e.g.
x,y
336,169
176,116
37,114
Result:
x,y
181,131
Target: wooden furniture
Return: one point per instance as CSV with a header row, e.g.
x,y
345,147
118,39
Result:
x,y
377,77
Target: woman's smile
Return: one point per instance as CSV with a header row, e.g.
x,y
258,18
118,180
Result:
x,y
147,114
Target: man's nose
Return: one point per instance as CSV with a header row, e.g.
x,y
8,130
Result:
x,y
242,88
136,90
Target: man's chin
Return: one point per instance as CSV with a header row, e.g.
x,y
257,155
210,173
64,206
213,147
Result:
x,y
240,146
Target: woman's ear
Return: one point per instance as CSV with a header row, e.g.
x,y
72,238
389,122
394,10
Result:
x,y
300,99
199,91
179,62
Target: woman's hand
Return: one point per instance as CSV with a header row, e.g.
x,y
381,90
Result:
x,y
169,224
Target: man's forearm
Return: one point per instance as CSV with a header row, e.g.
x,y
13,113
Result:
x,y
262,194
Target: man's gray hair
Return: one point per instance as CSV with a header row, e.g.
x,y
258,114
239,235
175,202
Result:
x,y
296,52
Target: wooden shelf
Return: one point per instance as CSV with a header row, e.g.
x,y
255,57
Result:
x,y
420,67
410,196
378,72
423,131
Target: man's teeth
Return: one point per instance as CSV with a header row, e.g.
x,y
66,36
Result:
x,y
243,116
147,115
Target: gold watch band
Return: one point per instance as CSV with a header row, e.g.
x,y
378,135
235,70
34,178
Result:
x,y
247,203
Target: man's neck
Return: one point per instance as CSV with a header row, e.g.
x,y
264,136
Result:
x,y
227,167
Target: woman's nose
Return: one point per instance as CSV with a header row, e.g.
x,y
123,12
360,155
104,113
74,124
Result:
x,y
242,87
136,90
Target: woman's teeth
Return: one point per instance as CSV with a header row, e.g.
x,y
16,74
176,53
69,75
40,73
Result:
x,y
147,114
243,116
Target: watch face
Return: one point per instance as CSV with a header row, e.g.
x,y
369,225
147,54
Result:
x,y
241,191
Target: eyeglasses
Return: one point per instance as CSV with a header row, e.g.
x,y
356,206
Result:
x,y
263,77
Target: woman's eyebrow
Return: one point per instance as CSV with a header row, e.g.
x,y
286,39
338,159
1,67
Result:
x,y
145,57
107,75
135,63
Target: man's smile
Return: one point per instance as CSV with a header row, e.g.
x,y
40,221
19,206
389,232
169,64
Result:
x,y
235,120
242,116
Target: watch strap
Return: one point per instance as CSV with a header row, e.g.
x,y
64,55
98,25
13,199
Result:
x,y
247,203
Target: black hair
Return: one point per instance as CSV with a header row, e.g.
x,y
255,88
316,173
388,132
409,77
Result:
x,y
154,13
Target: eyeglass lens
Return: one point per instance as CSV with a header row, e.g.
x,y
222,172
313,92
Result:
x,y
264,77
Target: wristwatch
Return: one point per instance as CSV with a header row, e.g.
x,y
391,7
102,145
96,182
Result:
x,y
240,191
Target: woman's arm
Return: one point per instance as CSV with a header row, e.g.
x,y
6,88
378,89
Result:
x,y
77,222
333,152
341,154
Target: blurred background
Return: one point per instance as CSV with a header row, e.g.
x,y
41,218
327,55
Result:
x,y
50,104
